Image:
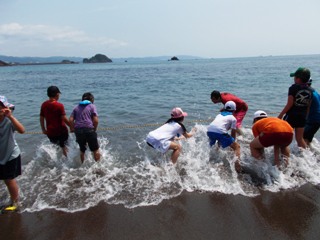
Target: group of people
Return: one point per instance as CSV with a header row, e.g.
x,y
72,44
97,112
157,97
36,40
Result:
x,y
301,115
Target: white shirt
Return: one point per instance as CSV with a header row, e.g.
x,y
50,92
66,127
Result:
x,y
221,124
166,131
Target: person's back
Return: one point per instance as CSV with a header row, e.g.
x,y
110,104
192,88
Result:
x,y
53,111
222,123
271,125
314,112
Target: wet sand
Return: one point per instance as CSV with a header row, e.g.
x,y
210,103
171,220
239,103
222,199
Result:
x,y
290,214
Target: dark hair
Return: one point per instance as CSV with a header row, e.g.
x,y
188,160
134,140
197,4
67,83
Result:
x,y
178,120
215,94
52,91
88,96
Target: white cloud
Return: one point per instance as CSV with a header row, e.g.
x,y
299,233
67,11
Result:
x,y
15,35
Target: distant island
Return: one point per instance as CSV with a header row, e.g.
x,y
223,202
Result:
x,y
174,58
98,58
2,63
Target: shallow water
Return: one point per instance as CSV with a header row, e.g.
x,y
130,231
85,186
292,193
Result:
x,y
138,94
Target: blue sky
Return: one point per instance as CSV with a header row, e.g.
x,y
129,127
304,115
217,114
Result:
x,y
143,28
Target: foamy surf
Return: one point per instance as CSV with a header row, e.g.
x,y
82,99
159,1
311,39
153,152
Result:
x,y
52,181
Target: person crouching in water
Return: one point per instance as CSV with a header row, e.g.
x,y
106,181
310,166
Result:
x,y
218,131
271,131
163,137
84,122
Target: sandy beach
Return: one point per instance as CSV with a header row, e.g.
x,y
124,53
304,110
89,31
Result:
x,y
290,214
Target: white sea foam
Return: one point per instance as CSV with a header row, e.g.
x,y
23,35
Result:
x,y
52,181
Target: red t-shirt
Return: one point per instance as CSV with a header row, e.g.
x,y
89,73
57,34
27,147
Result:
x,y
53,111
240,104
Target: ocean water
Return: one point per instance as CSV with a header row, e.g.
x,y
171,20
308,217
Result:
x,y
131,98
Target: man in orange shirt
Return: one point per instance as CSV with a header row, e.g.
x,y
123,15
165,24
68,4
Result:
x,y
270,131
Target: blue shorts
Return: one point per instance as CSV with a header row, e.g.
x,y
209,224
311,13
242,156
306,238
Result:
x,y
224,139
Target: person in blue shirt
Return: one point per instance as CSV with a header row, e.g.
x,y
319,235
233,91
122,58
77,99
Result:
x,y
313,120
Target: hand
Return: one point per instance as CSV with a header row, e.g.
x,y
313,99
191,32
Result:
x,y
6,112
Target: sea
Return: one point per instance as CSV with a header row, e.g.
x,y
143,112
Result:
x,y
132,99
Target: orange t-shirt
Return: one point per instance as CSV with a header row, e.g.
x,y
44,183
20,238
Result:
x,y
271,125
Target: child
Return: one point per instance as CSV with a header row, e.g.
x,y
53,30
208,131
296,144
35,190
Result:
x,y
162,138
270,131
53,119
84,122
218,131
10,159
297,107
241,106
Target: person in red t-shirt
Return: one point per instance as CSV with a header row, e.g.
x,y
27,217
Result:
x,y
241,106
53,119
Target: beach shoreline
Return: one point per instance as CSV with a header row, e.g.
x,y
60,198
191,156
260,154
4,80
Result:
x,y
289,214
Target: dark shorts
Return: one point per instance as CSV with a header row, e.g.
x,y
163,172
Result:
x,y
11,169
295,120
225,140
280,139
61,140
310,130
86,136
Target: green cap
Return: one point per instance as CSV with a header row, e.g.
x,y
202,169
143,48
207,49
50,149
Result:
x,y
303,73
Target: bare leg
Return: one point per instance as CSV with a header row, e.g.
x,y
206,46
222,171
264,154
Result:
x,y
256,148
285,151
299,137
96,155
276,150
13,189
176,151
82,156
236,148
65,151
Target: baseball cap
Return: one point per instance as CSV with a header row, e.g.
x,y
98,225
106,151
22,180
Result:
x,y
5,102
178,113
230,106
303,73
259,114
52,91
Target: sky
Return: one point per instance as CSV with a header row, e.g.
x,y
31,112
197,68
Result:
x,y
146,28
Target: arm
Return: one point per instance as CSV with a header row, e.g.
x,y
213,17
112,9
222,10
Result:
x,y
42,120
190,134
16,124
234,133
66,120
287,107
71,121
95,121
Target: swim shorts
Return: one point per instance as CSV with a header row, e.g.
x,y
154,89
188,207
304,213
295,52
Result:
x,y
296,121
61,140
86,136
239,116
224,139
11,169
310,130
161,145
280,139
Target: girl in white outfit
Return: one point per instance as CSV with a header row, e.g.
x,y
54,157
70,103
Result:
x,y
163,137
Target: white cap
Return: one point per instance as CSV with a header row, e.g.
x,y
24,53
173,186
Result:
x,y
230,106
259,114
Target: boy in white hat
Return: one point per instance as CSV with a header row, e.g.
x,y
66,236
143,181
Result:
x,y
218,131
163,137
10,160
270,131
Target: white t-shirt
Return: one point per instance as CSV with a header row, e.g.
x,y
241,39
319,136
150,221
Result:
x,y
161,137
221,124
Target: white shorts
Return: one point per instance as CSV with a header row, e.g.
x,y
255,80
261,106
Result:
x,y
161,145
